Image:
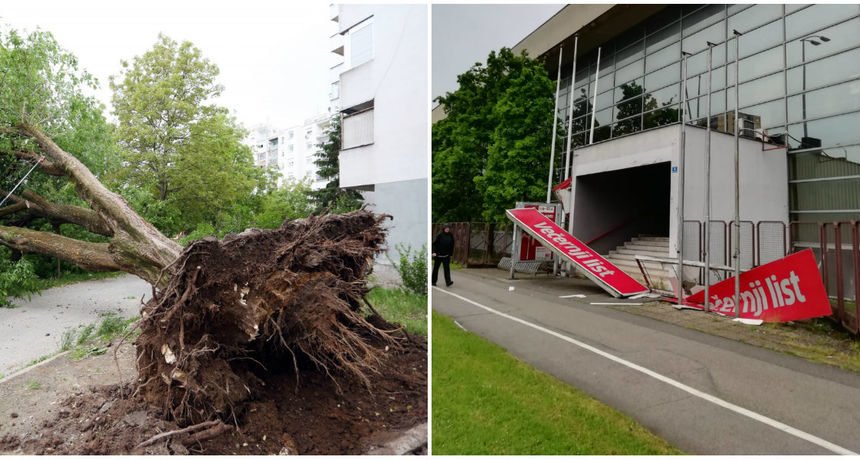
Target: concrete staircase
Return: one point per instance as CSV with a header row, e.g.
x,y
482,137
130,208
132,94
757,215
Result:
x,y
624,257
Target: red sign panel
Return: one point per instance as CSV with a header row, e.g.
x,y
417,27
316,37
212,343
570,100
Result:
x,y
595,267
531,249
788,289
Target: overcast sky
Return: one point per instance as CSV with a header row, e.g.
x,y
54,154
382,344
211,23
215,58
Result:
x,y
465,34
273,56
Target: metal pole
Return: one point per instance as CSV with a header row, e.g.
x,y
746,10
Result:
x,y
707,245
594,103
567,162
515,249
570,148
554,127
682,153
803,96
737,226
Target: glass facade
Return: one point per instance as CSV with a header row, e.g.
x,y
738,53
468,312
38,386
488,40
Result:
x,y
799,73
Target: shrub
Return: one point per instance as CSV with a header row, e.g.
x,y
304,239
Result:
x,y
413,268
16,280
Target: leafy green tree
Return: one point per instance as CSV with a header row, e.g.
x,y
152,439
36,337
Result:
x,y
492,148
64,210
518,156
158,98
185,161
332,197
288,202
214,171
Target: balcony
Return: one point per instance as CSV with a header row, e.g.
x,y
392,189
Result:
x,y
336,44
334,72
356,85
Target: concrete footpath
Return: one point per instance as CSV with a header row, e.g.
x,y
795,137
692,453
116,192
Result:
x,y
35,328
703,394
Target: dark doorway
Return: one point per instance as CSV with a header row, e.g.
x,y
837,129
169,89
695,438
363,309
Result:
x,y
614,206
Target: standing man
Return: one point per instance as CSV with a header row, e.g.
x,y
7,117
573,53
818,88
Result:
x,y
443,248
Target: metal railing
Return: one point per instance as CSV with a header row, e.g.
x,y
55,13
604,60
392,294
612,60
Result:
x,y
837,248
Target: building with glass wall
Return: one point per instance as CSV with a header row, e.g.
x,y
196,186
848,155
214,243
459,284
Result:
x,y
799,109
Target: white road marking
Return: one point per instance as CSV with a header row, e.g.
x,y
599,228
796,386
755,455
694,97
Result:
x,y
572,296
460,326
700,394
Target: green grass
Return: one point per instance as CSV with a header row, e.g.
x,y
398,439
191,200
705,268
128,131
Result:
x,y
93,339
33,385
71,278
39,360
487,402
401,307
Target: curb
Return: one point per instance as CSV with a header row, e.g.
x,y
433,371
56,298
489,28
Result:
x,y
30,368
406,443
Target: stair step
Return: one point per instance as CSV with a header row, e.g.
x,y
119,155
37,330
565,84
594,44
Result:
x,y
647,246
631,257
651,238
631,266
636,250
634,271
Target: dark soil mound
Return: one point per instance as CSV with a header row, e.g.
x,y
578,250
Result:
x,y
317,417
259,301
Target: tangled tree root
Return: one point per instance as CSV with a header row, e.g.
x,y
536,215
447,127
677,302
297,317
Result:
x,y
264,299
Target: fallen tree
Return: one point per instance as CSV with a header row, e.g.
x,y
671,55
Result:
x,y
223,312
225,315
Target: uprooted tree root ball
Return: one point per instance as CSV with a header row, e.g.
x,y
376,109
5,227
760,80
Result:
x,y
284,300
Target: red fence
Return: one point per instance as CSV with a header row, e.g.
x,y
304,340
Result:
x,y
837,248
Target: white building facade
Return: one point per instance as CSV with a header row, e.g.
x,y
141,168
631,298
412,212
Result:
x,y
292,151
382,92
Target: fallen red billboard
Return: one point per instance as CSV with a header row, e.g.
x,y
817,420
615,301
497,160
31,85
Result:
x,y
788,289
606,275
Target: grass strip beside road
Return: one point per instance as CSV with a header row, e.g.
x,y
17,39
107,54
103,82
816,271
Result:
x,y
487,402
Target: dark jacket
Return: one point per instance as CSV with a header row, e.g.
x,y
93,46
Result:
x,y
443,245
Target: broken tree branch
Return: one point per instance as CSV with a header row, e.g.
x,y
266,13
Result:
x,y
45,166
67,213
90,256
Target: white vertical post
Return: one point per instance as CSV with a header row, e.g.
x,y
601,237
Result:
x,y
594,103
682,153
737,227
569,163
568,156
707,245
554,127
515,249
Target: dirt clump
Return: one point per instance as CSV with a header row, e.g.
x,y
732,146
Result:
x,y
257,301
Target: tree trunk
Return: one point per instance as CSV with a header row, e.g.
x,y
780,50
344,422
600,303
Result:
x,y
135,246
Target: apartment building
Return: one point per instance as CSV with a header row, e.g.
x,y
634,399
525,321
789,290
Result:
x,y
380,86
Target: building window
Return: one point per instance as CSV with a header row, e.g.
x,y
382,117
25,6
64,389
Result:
x,y
358,129
360,43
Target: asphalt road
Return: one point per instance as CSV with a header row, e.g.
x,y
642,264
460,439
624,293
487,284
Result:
x,y
35,328
704,394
